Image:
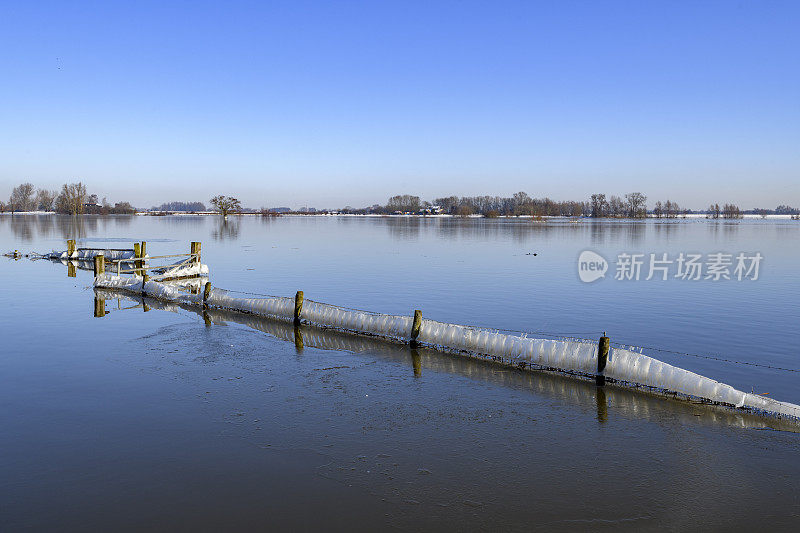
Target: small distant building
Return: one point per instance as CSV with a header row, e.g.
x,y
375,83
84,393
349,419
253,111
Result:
x,y
280,210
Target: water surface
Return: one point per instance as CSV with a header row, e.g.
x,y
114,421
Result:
x,y
168,418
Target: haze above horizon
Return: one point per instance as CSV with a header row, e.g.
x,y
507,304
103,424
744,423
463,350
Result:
x,y
329,104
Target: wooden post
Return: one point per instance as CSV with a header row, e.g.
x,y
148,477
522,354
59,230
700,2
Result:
x,y
206,294
70,248
137,252
142,252
71,271
99,265
194,249
602,359
415,327
298,307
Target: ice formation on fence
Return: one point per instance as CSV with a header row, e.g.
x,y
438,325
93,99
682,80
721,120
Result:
x,y
574,356
275,306
153,288
87,254
389,326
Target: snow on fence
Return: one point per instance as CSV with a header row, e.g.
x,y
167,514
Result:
x,y
572,356
87,254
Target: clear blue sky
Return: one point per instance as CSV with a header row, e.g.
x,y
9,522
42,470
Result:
x,y
334,103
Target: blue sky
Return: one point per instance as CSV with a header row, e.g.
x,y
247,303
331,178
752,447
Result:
x,y
334,103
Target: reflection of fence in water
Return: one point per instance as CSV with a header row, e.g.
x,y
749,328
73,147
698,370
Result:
x,y
609,401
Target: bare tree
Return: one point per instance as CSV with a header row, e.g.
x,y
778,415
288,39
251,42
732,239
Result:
x,y
636,205
45,199
71,199
670,209
616,207
22,198
731,211
226,205
464,210
599,205
448,204
404,203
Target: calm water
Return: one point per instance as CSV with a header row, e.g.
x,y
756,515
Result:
x,y
143,419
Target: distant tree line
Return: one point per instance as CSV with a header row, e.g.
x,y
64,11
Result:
x,y
518,204
72,199
631,205
726,211
181,206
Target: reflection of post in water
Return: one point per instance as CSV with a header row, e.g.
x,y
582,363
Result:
x,y
416,362
602,404
298,339
99,307
206,318
71,269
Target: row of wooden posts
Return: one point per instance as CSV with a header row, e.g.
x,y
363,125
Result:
x,y
602,348
140,252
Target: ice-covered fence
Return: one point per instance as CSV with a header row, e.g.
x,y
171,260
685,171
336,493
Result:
x,y
626,401
637,369
87,254
317,313
172,292
573,356
273,306
326,315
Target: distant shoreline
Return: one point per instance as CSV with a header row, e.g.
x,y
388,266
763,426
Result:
x,y
692,216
